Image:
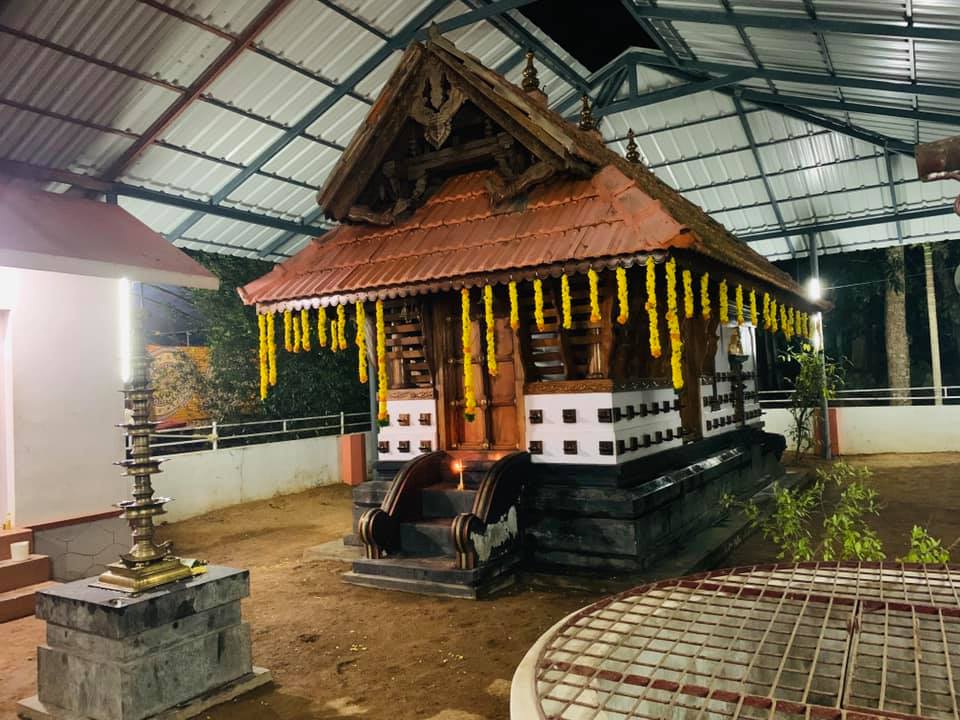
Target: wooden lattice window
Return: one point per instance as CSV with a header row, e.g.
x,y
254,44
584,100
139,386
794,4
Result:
x,y
405,350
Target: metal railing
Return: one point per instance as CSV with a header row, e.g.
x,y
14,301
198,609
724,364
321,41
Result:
x,y
872,397
216,436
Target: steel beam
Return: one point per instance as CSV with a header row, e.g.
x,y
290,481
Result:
x,y
331,5
832,225
745,124
312,115
791,23
280,242
512,60
213,71
483,12
35,173
673,93
893,194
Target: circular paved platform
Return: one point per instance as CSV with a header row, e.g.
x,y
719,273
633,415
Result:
x,y
817,640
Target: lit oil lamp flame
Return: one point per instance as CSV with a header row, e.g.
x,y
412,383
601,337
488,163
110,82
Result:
x,y
458,468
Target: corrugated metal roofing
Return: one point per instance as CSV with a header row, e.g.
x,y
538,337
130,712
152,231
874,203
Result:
x,y
82,80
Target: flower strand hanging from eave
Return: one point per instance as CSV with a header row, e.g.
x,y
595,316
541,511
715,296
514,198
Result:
x,y
361,342
382,417
705,296
491,335
565,303
322,327
687,294
673,325
272,347
262,352
594,282
305,329
651,306
469,398
514,305
723,303
538,303
623,301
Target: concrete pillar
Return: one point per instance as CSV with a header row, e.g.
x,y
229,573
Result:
x,y
824,407
934,328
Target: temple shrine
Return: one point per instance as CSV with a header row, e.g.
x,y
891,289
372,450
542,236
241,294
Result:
x,y
564,350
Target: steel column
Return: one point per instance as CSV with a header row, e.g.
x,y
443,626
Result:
x,y
824,407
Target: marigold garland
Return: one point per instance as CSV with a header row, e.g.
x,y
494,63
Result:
x,y
305,329
687,294
738,297
651,307
538,303
264,371
295,321
272,348
753,308
491,330
334,343
322,327
673,324
723,302
342,326
773,315
791,322
382,417
514,305
783,321
361,342
288,331
594,295
623,302
705,296
766,311
469,399
565,302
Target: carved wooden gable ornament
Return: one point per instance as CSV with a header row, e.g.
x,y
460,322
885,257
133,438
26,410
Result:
x,y
435,104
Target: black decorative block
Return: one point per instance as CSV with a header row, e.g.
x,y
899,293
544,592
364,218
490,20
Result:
x,y
536,447
425,418
634,443
383,446
536,417
570,415
647,442
403,446
630,411
621,447
606,447
403,419
569,447
426,446
605,415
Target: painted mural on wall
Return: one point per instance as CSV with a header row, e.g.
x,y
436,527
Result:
x,y
174,402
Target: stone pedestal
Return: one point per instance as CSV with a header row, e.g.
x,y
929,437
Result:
x,y
167,653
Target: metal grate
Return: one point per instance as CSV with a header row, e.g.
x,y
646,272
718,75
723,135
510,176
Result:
x,y
812,640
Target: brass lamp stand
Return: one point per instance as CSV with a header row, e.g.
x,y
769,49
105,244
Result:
x,y
147,564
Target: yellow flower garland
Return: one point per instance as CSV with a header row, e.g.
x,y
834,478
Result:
x,y
783,321
305,329
334,343
491,330
342,326
766,311
361,342
469,399
288,331
272,348
673,324
295,321
514,305
773,315
594,295
623,303
538,303
791,322
565,302
738,297
382,417
705,296
264,371
322,327
651,307
687,294
753,308
724,303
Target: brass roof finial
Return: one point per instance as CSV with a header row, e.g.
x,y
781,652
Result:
x,y
633,153
586,117
530,79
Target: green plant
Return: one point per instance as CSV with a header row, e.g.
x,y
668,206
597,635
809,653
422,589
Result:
x,y
816,378
925,549
309,383
846,533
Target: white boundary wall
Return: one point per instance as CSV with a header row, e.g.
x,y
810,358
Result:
x,y
893,429
203,481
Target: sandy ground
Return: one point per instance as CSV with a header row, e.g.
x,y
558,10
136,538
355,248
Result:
x,y
341,651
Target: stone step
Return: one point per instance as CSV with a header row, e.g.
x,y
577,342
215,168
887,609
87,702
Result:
x,y
21,573
435,575
445,501
8,537
427,537
20,603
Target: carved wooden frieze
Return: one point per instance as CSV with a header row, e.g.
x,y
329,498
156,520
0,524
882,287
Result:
x,y
435,106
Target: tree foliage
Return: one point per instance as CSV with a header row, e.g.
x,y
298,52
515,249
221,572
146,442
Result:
x,y
308,383
845,531
812,381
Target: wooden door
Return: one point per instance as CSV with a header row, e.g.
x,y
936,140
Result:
x,y
497,425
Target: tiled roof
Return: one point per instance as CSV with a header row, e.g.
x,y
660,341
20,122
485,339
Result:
x,y
457,238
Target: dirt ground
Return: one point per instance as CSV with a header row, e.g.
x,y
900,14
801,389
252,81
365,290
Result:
x,y
338,651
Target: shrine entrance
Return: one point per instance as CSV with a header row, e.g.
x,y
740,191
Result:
x,y
498,423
